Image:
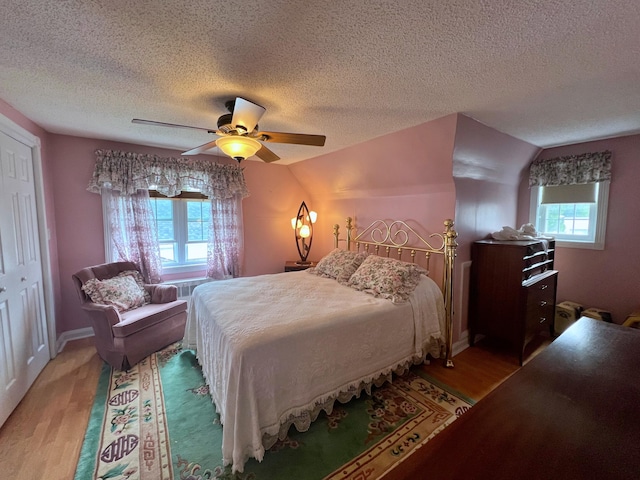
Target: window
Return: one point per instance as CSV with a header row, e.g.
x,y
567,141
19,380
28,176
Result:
x,y
183,224
574,214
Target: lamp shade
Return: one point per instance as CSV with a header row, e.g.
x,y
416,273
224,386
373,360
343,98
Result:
x,y
238,147
305,231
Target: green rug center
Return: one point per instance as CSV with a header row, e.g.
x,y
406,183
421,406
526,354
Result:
x,y
165,399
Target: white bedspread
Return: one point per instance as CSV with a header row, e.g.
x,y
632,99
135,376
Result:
x,y
273,347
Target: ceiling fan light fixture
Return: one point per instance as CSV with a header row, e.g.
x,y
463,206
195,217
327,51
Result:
x,y
240,134
238,147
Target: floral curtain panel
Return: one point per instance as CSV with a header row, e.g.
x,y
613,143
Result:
x,y
127,175
134,233
571,169
225,248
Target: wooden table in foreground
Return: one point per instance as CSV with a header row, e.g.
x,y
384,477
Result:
x,y
570,413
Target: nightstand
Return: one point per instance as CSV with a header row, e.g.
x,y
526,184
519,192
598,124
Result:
x,y
292,266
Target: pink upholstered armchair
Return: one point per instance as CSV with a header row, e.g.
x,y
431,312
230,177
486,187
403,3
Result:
x,y
129,323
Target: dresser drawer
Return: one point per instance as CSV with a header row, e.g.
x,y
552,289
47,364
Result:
x,y
540,304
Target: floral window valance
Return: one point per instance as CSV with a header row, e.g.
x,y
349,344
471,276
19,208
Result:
x,y
128,172
571,169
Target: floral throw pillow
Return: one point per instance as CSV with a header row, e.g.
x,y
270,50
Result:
x,y
121,292
387,278
339,264
137,276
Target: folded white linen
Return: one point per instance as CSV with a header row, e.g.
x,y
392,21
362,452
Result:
x,y
526,232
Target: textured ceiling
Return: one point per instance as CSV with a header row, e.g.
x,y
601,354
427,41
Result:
x,y
549,72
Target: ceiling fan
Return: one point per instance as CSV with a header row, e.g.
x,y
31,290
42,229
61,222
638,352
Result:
x,y
239,134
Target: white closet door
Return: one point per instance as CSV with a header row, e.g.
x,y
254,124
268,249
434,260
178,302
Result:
x,y
24,349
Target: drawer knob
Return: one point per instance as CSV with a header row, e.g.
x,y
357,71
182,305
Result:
x,y
543,319
544,287
543,303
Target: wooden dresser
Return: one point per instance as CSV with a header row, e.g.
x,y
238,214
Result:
x,y
512,293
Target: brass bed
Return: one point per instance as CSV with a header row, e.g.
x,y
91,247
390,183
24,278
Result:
x,y
278,349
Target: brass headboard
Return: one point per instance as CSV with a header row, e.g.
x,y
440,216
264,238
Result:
x,y
384,237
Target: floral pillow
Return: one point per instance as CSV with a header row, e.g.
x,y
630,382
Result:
x,y
123,292
387,278
339,264
137,276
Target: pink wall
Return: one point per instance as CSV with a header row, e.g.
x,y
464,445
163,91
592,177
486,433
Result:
x,y
487,166
404,175
487,169
275,197
608,278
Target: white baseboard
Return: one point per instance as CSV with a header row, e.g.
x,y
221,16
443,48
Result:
x,y
72,335
462,343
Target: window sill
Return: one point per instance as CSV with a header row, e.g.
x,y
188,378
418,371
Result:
x,y
178,269
583,245
190,280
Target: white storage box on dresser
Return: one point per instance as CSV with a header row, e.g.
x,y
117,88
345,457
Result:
x,y
512,293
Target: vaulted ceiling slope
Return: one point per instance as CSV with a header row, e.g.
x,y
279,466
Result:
x,y
547,72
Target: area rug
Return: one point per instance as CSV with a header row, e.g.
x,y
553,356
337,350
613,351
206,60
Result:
x,y
157,422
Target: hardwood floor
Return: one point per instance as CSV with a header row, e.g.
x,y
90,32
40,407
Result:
x,y
43,436
479,369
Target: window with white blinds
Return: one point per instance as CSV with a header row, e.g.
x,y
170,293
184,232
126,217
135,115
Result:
x,y
574,214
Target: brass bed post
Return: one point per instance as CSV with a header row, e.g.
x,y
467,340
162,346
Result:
x,y
349,231
336,233
450,246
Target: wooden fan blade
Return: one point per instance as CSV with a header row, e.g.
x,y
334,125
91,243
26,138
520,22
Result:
x,y
267,155
200,149
246,114
296,138
163,124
